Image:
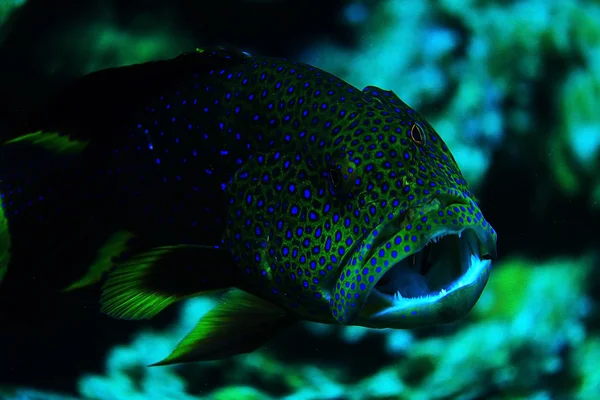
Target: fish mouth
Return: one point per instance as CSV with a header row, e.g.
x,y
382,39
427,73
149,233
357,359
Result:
x,y
438,283
423,273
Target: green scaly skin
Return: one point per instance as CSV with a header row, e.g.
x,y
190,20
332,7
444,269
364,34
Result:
x,y
332,201
361,171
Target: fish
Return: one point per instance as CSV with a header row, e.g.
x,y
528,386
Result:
x,y
280,187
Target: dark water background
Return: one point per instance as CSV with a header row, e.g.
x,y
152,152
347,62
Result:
x,y
49,340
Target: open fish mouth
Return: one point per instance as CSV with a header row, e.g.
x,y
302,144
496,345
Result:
x,y
448,262
440,283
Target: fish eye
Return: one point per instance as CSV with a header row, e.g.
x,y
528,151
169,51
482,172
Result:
x,y
417,134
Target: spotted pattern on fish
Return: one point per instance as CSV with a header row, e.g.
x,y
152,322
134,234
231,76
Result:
x,y
342,161
293,169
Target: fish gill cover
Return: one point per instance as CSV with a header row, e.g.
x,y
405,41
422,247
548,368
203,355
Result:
x,y
512,89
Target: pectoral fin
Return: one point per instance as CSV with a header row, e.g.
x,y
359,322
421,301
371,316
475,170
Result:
x,y
113,247
142,286
241,323
51,141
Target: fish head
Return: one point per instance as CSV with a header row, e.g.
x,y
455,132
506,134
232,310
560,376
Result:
x,y
369,222
426,251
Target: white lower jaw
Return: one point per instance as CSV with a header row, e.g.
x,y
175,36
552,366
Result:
x,y
452,302
476,267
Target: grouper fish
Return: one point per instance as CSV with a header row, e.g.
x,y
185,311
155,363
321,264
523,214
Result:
x,y
295,195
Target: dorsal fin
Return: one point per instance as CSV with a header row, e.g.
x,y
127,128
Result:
x,y
229,52
107,91
99,100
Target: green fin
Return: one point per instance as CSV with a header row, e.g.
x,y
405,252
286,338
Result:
x,y
241,323
51,141
4,242
114,246
142,286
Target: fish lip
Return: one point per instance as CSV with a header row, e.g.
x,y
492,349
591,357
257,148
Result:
x,y
451,302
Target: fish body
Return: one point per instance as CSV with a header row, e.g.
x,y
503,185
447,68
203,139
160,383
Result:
x,y
308,198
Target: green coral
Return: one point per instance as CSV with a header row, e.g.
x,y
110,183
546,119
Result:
x,y
105,42
474,68
526,315
579,134
18,393
7,7
584,361
239,392
511,343
128,375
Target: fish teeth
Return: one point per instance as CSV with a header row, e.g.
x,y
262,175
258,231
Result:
x,y
436,239
439,237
